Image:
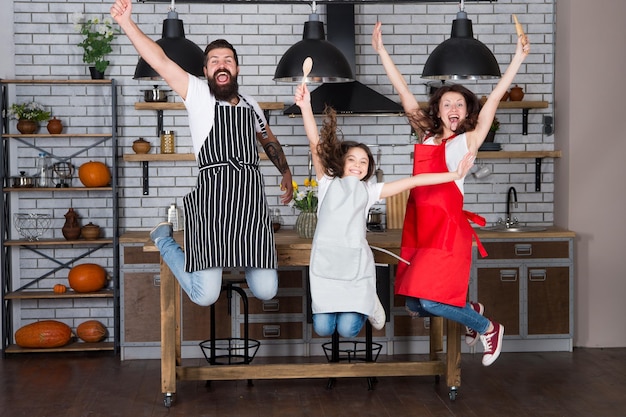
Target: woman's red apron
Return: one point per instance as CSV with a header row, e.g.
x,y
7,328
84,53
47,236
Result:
x,y
436,236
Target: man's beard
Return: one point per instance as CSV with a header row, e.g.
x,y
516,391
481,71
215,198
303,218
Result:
x,y
224,92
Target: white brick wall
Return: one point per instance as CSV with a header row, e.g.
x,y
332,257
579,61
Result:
x,y
45,48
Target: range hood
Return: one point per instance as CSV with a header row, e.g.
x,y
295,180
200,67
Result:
x,y
352,97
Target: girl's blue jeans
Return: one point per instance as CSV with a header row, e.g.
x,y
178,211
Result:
x,y
464,315
348,324
204,287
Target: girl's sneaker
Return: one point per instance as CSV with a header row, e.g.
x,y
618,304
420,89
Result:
x,y
377,320
492,342
471,335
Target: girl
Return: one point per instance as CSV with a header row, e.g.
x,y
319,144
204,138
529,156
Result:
x,y
342,271
437,236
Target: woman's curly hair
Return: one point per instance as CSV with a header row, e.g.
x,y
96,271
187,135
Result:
x,y
333,150
429,122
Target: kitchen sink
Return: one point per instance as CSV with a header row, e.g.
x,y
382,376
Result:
x,y
514,229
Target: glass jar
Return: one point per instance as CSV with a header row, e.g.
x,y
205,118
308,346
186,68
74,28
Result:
x,y
168,144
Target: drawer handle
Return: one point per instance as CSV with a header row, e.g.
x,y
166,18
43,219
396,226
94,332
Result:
x,y
537,275
523,249
271,331
271,305
156,280
508,275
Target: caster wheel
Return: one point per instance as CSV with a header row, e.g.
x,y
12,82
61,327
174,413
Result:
x,y
168,400
452,393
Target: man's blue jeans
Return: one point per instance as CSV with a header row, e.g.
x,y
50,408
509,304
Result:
x,y
203,287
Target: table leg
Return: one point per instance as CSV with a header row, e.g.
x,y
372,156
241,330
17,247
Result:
x,y
168,330
453,356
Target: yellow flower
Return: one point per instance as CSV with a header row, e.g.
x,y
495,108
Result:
x,y
294,185
305,199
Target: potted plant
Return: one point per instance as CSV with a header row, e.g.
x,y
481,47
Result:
x,y
495,126
98,36
28,116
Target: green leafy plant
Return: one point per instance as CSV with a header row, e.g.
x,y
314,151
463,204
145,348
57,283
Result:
x,y
29,111
495,125
305,199
99,34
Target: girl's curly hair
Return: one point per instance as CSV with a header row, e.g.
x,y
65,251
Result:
x,y
429,122
332,149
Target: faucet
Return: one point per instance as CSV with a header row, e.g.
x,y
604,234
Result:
x,y
508,222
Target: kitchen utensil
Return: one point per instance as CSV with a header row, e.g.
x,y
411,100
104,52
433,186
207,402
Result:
x,y
375,220
155,95
378,172
31,226
518,27
23,181
64,171
90,231
307,65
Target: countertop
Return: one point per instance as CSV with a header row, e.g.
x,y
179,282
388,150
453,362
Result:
x,y
295,251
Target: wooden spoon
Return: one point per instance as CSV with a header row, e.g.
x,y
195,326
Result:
x,y
518,27
307,65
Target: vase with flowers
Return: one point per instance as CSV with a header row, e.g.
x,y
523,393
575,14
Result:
x,y
98,36
28,116
305,200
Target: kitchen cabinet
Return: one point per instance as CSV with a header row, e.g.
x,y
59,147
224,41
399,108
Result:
x,y
527,285
30,268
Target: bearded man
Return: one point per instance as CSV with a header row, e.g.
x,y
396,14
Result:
x,y
227,219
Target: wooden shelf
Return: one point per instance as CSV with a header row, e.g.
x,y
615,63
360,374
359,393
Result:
x,y
159,106
57,242
60,135
72,347
33,189
146,157
517,154
57,81
47,295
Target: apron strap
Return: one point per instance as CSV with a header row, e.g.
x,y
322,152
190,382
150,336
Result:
x,y
481,221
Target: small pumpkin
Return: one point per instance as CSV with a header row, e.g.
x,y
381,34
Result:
x,y
43,334
91,331
59,289
87,277
94,174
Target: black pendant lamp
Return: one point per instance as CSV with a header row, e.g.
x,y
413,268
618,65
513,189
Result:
x,y
329,64
184,52
461,57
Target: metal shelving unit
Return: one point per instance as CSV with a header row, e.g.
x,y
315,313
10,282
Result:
x,y
81,249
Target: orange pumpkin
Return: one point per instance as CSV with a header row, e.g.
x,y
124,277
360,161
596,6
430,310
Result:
x,y
87,277
43,334
59,289
91,331
94,174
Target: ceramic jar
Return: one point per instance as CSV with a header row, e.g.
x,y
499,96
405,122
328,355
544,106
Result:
x,y
141,146
71,228
90,231
516,93
55,126
27,127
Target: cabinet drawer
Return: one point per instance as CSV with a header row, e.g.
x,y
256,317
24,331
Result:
x,y
135,255
499,292
526,250
287,278
405,326
277,305
275,330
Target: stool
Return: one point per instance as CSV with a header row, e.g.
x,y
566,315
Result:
x,y
237,351
371,352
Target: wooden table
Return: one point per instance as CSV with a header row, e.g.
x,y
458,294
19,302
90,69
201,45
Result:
x,y
294,251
